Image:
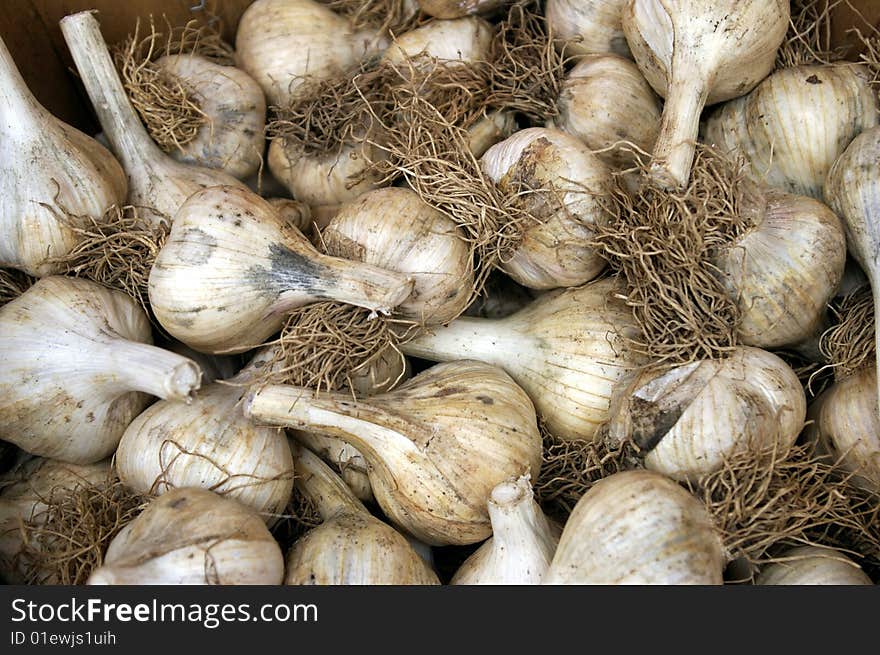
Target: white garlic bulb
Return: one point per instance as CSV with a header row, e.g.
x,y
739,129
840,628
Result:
x,y
696,53
351,546
453,42
192,537
796,123
567,349
232,140
45,162
78,366
231,268
522,544
554,252
638,527
490,129
813,565
435,447
584,27
689,420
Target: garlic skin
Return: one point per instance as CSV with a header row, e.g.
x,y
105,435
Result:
x,y
280,43
155,181
351,546
394,229
352,465
233,139
813,565
209,443
293,213
44,161
584,27
796,123
567,350
435,447
78,367
231,268
846,423
690,419
23,498
489,130
192,537
638,528
556,252
522,544
605,100
453,42
458,8
696,53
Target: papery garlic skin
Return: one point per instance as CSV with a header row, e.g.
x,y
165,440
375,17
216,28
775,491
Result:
x,y
46,163
522,544
192,536
567,349
436,446
556,252
78,366
796,123
489,130
454,41
584,27
638,528
231,268
696,53
281,43
351,464
234,103
605,101
813,565
689,420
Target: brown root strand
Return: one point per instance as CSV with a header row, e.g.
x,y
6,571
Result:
x,y
384,16
849,344
815,377
664,244
13,283
809,38
300,516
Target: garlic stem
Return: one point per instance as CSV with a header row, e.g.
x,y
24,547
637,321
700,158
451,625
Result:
x,y
875,293
511,507
153,370
324,488
14,92
465,338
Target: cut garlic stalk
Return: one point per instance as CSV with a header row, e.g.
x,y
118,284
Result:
x,y
78,366
436,446
584,27
813,565
293,213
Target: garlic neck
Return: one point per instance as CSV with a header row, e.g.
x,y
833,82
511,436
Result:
x,y
152,370
18,106
515,517
321,485
487,340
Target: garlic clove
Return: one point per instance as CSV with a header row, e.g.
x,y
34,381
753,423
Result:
x,y
813,565
192,536
436,446
696,53
78,367
584,27
231,268
638,527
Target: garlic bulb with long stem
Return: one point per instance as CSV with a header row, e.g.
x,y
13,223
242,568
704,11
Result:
x,y
436,446
584,27
794,125
560,182
813,565
689,420
351,546
78,366
231,268
696,53
155,180
638,527
567,349
192,536
46,167
522,544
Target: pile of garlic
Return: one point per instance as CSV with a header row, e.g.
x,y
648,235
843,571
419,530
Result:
x,y
445,440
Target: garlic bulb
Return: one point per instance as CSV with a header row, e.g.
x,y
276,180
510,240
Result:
x,y
604,101
846,423
351,546
233,139
281,43
436,446
192,536
554,252
584,27
638,527
231,268
78,366
348,459
567,349
813,565
690,419
522,544
454,41
209,443
696,53
293,213
394,229
155,180
458,8
796,123
490,129
45,162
